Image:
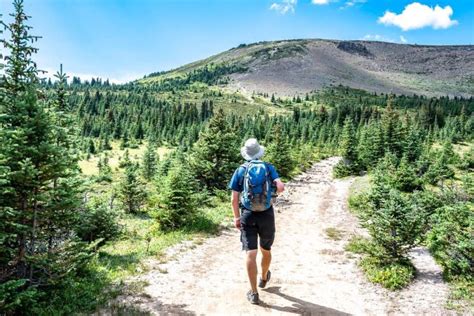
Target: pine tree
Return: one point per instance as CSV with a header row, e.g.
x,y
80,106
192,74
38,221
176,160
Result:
x,y
412,144
348,149
105,172
394,220
125,141
216,154
392,130
406,178
279,153
132,191
125,160
163,168
178,197
371,145
150,161
349,142
440,170
39,183
91,147
450,240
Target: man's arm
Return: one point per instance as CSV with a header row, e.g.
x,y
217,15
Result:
x,y
280,185
235,209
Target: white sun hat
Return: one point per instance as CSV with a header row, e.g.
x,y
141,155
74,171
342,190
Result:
x,y
252,150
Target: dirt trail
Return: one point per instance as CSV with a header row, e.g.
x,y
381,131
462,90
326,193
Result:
x,y
311,274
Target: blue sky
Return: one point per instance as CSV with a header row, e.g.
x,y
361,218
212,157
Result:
x,y
125,39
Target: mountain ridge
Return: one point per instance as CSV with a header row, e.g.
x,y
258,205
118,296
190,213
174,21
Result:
x,y
290,67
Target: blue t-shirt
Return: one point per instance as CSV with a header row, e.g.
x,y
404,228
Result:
x,y
236,182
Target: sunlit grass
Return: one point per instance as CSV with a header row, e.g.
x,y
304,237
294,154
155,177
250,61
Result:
x,y
334,233
142,239
89,167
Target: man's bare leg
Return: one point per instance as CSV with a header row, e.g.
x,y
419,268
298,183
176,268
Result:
x,y
251,261
266,260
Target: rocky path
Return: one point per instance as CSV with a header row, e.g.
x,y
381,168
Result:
x,y
311,273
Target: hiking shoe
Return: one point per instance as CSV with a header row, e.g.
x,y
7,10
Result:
x,y
262,283
253,297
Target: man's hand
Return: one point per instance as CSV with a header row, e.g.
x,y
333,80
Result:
x,y
237,223
279,185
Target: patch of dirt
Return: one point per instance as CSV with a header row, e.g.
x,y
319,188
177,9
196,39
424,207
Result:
x,y
311,273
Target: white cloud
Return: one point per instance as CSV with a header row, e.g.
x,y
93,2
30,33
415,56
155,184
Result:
x,y
417,15
377,37
320,2
352,3
382,38
284,6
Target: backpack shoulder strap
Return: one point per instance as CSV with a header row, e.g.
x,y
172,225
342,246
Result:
x,y
267,168
245,166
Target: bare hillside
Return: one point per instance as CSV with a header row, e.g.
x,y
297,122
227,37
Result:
x,y
300,66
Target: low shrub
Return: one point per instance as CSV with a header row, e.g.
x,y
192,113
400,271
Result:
x,y
462,293
393,275
450,239
359,245
98,220
395,221
358,202
345,169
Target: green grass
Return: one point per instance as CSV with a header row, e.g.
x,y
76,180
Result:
x,y
461,297
89,166
334,233
358,244
117,260
391,275
142,240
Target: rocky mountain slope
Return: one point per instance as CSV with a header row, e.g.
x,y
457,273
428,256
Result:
x,y
294,67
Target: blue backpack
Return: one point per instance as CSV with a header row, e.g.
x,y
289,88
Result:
x,y
256,195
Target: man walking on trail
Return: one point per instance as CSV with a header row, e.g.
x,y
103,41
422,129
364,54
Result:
x,y
252,186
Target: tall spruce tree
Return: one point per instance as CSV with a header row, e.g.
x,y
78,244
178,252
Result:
x,y
39,185
279,153
132,191
105,172
149,161
177,197
348,150
216,154
349,142
371,145
392,129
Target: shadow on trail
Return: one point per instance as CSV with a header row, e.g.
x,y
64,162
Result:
x,y
299,306
130,310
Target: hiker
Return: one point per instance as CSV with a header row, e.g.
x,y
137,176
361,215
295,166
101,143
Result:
x,y
252,186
